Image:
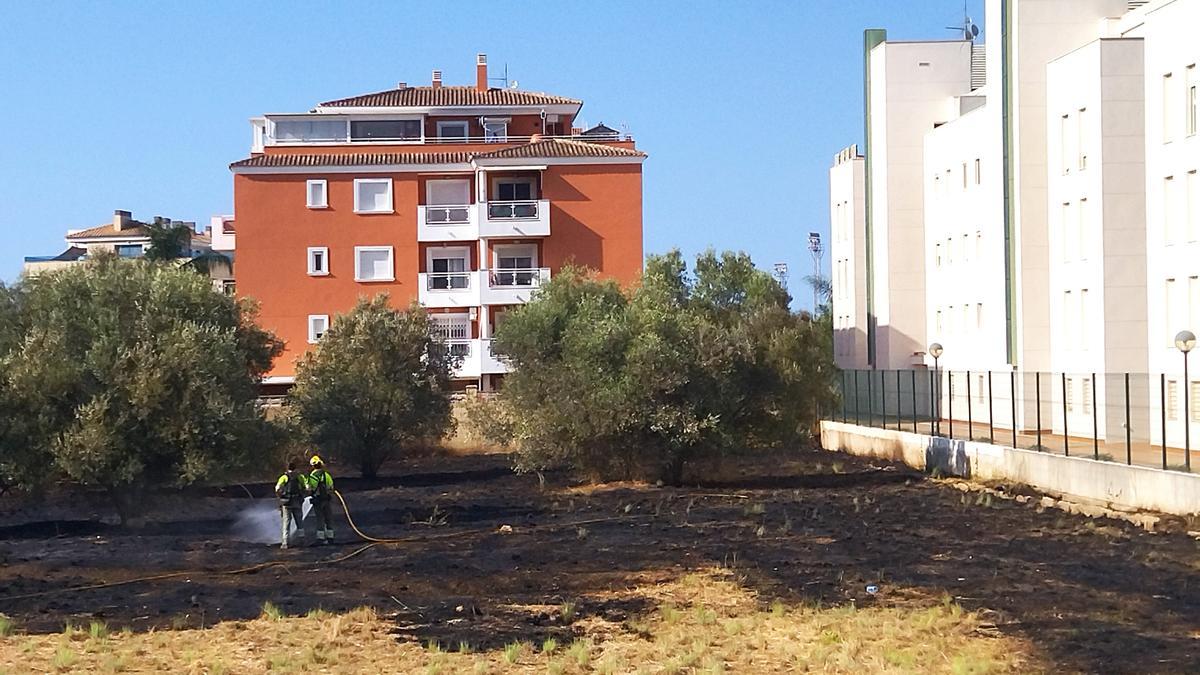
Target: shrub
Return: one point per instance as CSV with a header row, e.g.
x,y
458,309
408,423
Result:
x,y
130,375
642,383
378,384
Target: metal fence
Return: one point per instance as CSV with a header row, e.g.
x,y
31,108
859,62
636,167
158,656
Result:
x,y
1133,418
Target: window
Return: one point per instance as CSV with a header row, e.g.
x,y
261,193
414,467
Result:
x,y
1168,107
1069,393
318,194
1190,110
1068,303
952,316
978,245
129,250
978,172
937,254
448,268
1193,206
310,131
318,261
318,325
454,329
1172,400
964,175
386,130
515,265
1172,314
979,388
495,131
1084,333
1193,303
1064,141
1170,211
949,250
1087,396
373,263
1081,234
1081,125
456,131
514,189
1194,400
939,321
372,195
966,243
979,316
1069,248
966,321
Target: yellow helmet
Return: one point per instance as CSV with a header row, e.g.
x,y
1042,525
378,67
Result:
x,y
315,461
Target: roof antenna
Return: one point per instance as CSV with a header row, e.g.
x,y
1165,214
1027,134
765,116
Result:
x,y
969,30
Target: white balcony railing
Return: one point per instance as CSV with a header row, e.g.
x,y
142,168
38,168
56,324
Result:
x,y
447,223
515,210
448,289
511,286
467,353
524,218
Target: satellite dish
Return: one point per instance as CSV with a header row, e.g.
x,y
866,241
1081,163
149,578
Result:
x,y
513,84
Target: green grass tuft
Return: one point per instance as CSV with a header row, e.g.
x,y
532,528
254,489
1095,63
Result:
x,y
271,612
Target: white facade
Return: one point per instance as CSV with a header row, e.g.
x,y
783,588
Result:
x,y
1058,211
911,89
847,211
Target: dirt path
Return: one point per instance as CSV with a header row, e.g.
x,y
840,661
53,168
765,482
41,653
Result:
x,y
1092,595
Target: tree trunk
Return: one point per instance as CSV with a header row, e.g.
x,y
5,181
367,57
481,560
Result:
x,y
369,469
674,470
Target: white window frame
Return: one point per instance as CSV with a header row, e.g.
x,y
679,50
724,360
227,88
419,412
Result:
x,y
449,252
313,271
499,249
313,338
308,193
466,127
359,250
495,138
374,181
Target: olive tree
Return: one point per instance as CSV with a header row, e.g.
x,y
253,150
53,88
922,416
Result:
x,y
134,375
642,383
378,384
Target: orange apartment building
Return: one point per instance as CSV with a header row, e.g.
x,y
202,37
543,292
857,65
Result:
x,y
464,198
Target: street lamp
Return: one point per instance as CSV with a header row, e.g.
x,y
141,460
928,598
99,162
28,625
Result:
x,y
1185,340
935,350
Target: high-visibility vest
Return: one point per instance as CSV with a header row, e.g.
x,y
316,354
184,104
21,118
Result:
x,y
288,489
320,483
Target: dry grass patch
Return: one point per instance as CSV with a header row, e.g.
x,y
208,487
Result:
x,y
703,623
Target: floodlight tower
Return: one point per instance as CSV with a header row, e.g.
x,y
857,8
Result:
x,y
817,249
781,274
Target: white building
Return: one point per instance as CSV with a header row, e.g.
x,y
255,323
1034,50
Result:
x,y
848,249
1058,208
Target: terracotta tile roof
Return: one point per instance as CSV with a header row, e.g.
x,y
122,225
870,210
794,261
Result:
x,y
422,97
558,147
108,230
353,159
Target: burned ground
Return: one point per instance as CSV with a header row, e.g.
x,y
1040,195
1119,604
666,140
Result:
x,y
1091,595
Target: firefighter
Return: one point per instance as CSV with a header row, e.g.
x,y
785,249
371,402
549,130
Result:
x,y
291,489
320,487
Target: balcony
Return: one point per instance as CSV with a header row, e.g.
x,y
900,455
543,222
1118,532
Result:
x,y
511,286
447,223
468,352
526,218
476,359
490,364
448,289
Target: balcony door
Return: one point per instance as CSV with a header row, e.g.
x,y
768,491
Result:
x,y
447,200
513,198
455,330
515,265
449,268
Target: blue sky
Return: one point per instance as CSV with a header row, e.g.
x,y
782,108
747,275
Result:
x,y
141,106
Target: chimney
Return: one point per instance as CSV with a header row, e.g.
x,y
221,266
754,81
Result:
x,y
402,85
437,79
481,79
121,219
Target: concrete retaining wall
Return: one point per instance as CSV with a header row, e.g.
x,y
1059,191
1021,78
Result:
x,y
1107,483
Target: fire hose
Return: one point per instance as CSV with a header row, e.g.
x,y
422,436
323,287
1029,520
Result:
x,y
373,542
